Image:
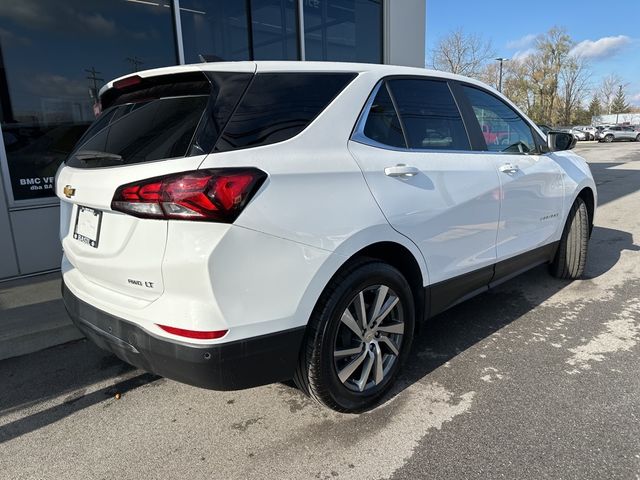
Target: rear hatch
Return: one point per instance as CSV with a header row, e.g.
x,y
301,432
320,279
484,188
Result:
x,y
152,124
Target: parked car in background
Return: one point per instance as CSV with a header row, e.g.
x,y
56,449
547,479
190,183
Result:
x,y
579,134
617,133
234,224
590,131
599,130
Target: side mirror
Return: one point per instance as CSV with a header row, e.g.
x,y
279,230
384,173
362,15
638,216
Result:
x,y
559,141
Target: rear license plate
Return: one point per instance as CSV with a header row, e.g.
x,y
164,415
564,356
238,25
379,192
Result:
x,y
87,228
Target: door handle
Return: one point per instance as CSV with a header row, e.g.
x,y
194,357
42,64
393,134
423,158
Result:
x,y
509,168
401,170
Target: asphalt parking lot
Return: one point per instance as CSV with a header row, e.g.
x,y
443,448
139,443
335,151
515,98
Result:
x,y
539,378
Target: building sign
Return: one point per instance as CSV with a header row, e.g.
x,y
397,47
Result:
x,y
34,154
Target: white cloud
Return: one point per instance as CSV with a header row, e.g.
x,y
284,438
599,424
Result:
x,y
635,99
52,85
97,23
523,42
601,48
522,55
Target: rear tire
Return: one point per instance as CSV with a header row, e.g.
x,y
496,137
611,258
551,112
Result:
x,y
571,257
336,339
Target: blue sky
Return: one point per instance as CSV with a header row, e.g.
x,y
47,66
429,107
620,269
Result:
x,y
610,36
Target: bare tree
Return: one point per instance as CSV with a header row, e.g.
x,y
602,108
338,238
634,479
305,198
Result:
x,y
574,79
608,89
552,50
490,74
462,53
517,85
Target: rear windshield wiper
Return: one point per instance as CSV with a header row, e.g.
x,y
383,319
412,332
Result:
x,y
87,156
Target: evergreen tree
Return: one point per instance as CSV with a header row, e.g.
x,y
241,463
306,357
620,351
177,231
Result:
x,y
620,104
595,108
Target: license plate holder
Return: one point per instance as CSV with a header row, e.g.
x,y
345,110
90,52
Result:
x,y
87,226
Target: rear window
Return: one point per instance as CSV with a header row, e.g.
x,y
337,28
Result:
x,y
160,118
278,106
196,113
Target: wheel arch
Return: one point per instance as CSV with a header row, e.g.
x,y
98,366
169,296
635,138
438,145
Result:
x,y
587,196
401,258
380,242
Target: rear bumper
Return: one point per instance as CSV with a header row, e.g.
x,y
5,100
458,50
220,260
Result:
x,y
226,366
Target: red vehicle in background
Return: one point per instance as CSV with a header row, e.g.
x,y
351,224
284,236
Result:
x,y
494,137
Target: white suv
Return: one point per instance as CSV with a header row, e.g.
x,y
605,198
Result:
x,y
234,224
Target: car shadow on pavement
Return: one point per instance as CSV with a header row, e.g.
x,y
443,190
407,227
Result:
x,y
626,180
63,376
74,368
456,330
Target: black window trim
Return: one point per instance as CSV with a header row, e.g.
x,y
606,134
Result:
x,y
357,133
475,125
396,110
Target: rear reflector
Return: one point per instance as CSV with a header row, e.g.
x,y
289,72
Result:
x,y
196,334
217,195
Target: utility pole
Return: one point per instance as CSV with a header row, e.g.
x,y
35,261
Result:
x,y
135,63
617,113
500,59
93,91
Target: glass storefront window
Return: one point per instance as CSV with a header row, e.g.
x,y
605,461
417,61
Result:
x,y
54,57
214,30
274,29
218,30
343,30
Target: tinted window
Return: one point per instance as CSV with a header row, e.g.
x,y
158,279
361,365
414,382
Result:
x,y
382,123
157,129
278,106
161,117
274,24
343,30
503,129
215,30
429,115
55,57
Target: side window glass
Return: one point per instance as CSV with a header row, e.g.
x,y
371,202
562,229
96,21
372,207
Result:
x,y
383,124
503,129
429,114
278,106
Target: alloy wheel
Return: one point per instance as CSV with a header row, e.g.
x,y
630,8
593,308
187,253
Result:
x,y
369,338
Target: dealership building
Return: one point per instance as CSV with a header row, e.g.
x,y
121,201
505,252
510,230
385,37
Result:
x,y
55,56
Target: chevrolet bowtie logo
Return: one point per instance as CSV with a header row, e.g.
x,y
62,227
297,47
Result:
x,y
69,191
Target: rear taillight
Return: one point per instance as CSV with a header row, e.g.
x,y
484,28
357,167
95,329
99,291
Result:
x,y
205,195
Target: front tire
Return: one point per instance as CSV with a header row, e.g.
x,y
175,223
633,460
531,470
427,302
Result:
x,y
571,257
608,138
638,138
358,336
